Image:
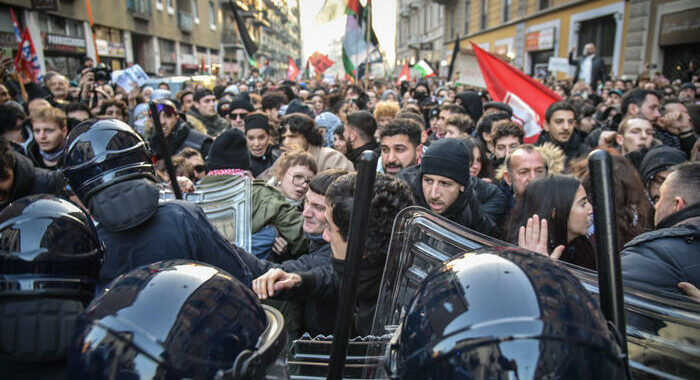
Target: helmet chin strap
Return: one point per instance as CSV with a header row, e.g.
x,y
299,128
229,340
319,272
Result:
x,y
125,204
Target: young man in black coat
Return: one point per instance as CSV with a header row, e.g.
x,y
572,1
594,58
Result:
x,y
666,259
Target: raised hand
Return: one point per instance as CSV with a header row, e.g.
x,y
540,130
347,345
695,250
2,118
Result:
x,y
534,237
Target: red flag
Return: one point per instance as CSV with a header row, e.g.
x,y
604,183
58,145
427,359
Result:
x,y
405,74
528,97
26,61
292,70
321,62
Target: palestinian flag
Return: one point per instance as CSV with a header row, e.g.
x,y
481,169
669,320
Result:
x,y
424,69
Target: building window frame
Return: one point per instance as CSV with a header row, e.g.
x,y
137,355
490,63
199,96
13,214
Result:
x,y
159,5
484,14
171,8
467,5
212,15
195,12
507,7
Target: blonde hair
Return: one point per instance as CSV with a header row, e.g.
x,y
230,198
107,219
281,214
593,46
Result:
x,y
51,114
386,108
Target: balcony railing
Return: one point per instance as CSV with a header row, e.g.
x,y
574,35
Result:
x,y
139,8
185,21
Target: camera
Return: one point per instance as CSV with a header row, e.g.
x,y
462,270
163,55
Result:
x,y
103,73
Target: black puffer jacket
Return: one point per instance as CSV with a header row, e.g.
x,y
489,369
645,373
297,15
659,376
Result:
x,y
481,206
31,180
575,147
658,260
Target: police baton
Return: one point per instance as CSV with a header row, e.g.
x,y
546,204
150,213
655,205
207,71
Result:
x,y
165,148
364,187
609,272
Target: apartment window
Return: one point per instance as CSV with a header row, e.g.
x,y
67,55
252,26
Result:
x,y
466,17
506,9
212,16
484,14
425,20
195,12
171,9
452,25
159,5
544,4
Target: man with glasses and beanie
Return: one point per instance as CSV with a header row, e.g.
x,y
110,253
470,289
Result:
x,y
178,133
257,134
238,110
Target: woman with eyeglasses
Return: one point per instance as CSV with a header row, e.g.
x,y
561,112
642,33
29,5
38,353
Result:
x,y
177,131
295,169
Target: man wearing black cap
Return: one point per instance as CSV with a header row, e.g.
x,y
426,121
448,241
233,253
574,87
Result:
x,y
655,168
238,110
687,93
204,110
257,134
442,183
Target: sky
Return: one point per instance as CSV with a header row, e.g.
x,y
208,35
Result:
x,y
320,37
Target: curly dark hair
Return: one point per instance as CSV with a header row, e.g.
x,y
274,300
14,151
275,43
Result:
x,y
7,159
334,102
390,196
273,100
402,126
113,102
304,125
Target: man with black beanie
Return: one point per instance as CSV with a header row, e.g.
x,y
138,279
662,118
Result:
x,y
257,133
229,151
442,183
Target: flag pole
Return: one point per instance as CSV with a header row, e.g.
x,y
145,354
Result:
x,y
92,29
369,29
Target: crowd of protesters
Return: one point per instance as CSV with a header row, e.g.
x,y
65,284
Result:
x,y
446,147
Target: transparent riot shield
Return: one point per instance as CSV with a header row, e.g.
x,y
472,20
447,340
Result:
x,y
663,331
420,241
227,206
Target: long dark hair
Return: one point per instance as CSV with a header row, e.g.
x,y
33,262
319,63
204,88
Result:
x,y
550,198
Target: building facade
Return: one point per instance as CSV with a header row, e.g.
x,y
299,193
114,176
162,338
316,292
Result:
x,y
419,32
628,34
165,37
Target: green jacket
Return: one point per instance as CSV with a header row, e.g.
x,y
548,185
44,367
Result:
x,y
269,207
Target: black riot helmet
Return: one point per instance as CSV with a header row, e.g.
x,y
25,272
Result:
x,y
178,319
102,152
50,258
499,313
48,247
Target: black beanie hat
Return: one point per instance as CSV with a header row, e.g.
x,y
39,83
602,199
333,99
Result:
x,y
243,102
448,158
297,105
659,158
199,94
229,151
257,120
471,102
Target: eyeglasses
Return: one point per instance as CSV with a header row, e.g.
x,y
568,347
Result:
x,y
299,180
236,115
199,168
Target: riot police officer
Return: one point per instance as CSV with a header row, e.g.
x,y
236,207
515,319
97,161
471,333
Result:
x,y
109,168
50,258
498,313
178,319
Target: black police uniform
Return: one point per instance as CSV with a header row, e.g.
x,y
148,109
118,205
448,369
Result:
x,y
108,167
49,262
